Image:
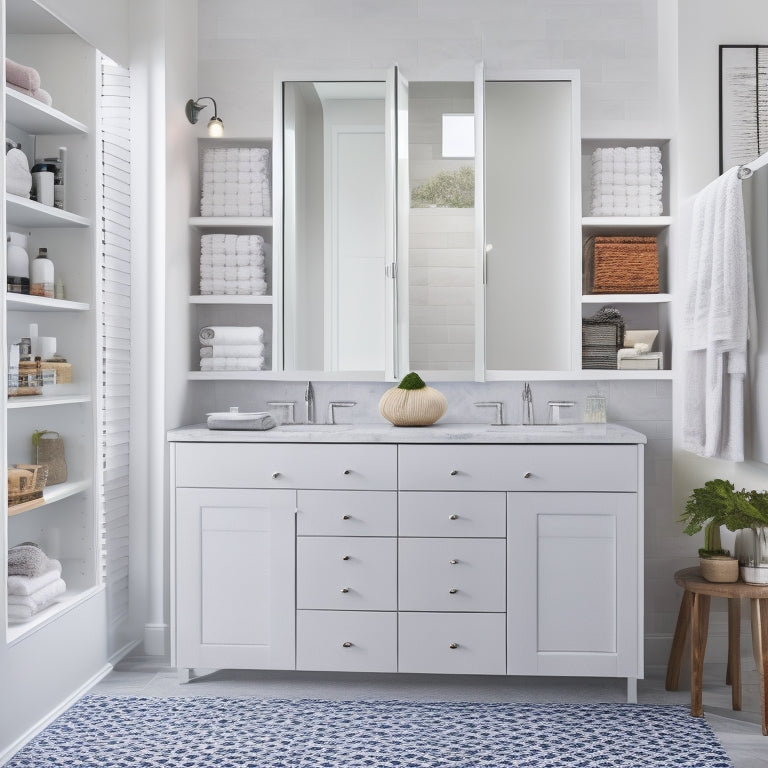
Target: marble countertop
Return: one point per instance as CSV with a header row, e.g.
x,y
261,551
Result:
x,y
437,433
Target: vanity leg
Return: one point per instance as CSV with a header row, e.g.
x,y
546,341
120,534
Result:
x,y
184,675
631,690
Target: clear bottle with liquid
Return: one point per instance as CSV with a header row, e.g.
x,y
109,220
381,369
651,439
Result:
x,y
41,275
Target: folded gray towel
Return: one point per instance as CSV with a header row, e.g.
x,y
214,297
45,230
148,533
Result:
x,y
27,559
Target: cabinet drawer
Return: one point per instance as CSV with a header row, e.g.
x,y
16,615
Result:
x,y
346,641
452,643
518,467
347,513
452,575
286,465
452,514
354,573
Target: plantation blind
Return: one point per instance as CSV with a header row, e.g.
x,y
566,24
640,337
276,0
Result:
x,y
114,329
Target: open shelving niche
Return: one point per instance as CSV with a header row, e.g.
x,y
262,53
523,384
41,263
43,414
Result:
x,y
642,310
232,309
64,521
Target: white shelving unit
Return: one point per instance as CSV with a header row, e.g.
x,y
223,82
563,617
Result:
x,y
641,310
233,309
65,521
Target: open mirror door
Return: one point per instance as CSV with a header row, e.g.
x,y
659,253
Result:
x,y
402,203
480,242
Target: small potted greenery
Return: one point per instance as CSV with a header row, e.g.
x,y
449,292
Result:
x,y
715,504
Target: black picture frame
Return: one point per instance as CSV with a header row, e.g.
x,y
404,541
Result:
x,y
743,98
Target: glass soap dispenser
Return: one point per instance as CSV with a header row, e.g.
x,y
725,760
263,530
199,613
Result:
x,y
41,275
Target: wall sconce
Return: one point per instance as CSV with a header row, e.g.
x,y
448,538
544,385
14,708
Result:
x,y
193,108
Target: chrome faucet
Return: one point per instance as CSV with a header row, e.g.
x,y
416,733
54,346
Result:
x,y
309,403
499,411
337,404
527,405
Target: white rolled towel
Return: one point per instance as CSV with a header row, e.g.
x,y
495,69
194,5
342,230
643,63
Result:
x,y
232,350
231,334
252,287
231,363
27,606
209,286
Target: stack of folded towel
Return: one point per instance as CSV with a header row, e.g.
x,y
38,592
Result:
x,y
235,182
231,348
34,581
25,80
232,264
626,181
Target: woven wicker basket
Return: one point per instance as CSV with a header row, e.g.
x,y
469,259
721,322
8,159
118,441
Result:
x,y
26,483
719,568
614,264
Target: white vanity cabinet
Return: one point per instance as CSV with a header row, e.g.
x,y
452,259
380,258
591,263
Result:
x,y
479,557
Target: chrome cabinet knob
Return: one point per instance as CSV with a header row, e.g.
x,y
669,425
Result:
x,y
454,472
346,557
527,475
347,471
346,517
453,562
346,645
453,517
275,475
452,591
345,590
453,646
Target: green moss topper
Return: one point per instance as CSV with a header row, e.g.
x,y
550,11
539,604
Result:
x,y
412,381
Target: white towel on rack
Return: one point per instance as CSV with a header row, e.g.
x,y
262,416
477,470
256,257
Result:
x,y
231,334
716,321
231,363
27,585
232,350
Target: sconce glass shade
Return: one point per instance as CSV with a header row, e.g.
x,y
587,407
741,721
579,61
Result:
x,y
194,107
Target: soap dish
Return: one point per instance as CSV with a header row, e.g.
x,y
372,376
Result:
x,y
233,419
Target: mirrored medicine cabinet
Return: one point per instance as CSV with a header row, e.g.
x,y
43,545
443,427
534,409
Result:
x,y
429,226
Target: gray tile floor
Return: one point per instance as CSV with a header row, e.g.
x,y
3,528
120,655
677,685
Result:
x,y
739,732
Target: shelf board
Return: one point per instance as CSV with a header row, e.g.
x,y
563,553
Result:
x,y
18,302
32,116
64,603
230,221
51,495
41,401
593,374
21,212
626,298
650,223
231,299
229,375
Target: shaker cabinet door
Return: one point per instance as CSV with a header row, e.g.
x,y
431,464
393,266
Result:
x,y
235,578
572,593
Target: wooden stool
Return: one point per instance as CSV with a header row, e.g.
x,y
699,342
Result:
x,y
694,610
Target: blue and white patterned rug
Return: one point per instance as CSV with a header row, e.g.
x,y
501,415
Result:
x,y
213,732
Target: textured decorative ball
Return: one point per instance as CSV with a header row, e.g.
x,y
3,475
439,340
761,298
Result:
x,y
412,403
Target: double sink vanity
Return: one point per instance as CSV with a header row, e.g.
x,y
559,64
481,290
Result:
x,y
455,548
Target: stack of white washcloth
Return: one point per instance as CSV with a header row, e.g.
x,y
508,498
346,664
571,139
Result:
x,y
231,348
235,182
626,181
34,581
232,265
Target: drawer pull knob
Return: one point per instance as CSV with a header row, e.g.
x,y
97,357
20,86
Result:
x,y
527,475
275,475
346,645
345,590
453,562
346,517
453,517
347,471
453,646
454,472
346,557
452,591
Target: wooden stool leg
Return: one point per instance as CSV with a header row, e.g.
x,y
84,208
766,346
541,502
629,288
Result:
x,y
678,642
733,675
699,628
760,631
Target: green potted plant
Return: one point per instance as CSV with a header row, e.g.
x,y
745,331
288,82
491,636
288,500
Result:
x,y
715,504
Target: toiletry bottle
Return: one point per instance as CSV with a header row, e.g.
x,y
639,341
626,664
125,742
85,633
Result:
x,y
17,262
57,163
42,182
41,275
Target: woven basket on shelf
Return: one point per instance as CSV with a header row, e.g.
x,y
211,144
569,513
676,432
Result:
x,y
614,264
601,338
48,450
26,483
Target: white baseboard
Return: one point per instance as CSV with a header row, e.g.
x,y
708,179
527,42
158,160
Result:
x,y
53,714
121,653
155,639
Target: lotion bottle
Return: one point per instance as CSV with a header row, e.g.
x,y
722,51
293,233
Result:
x,y
41,275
